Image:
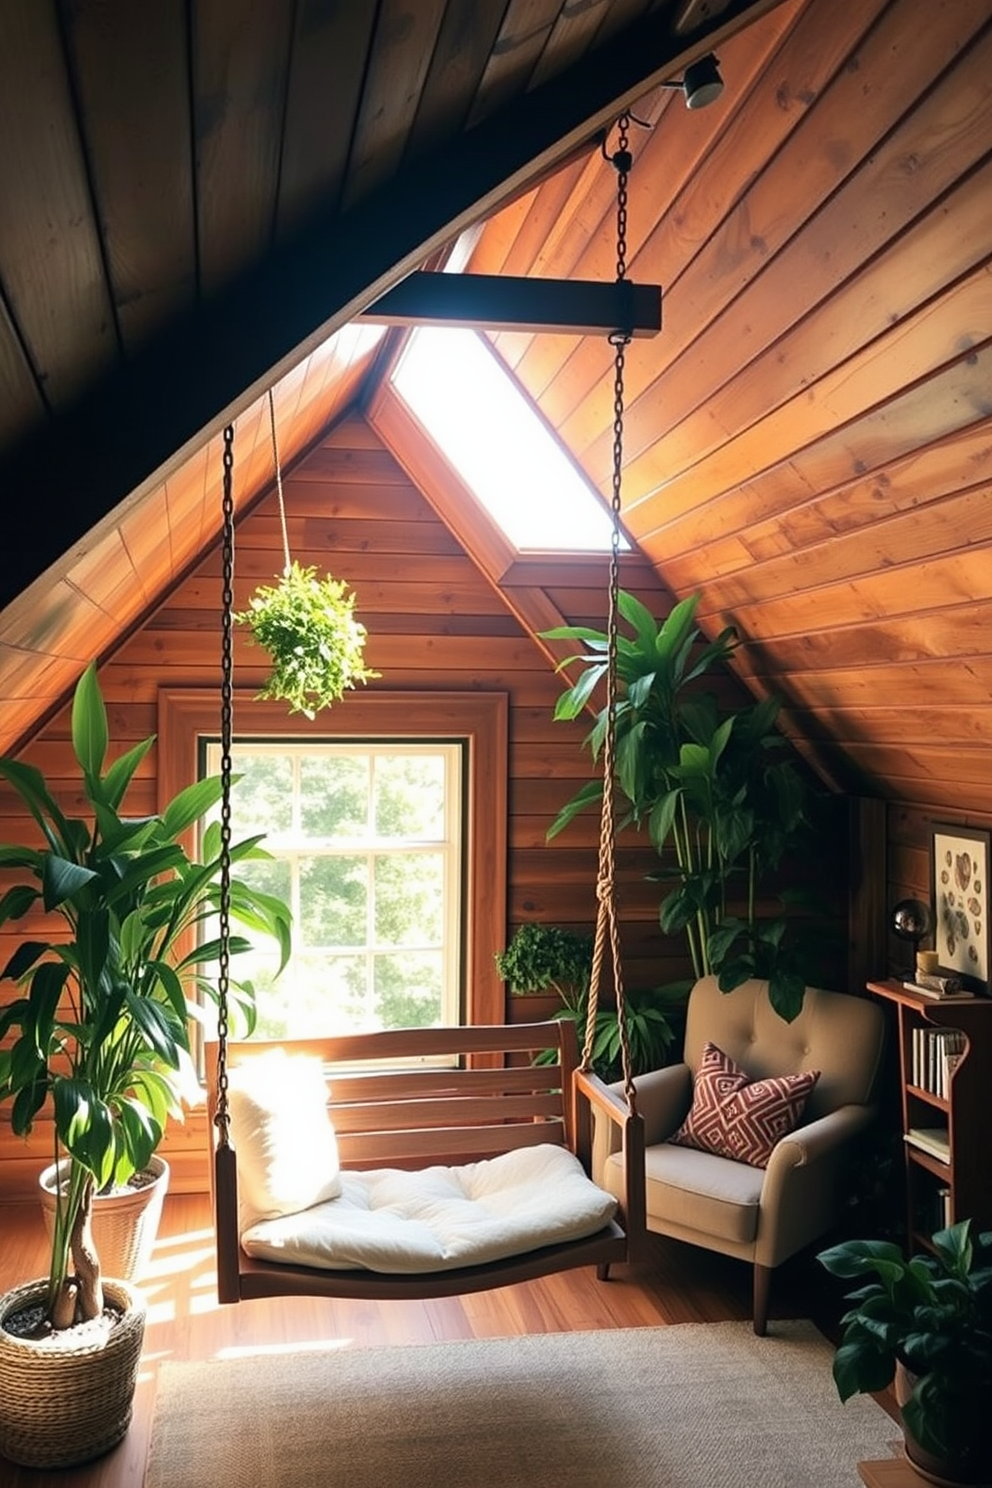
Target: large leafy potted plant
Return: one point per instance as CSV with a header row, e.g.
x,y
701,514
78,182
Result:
x,y
715,790
925,1323
98,1031
542,958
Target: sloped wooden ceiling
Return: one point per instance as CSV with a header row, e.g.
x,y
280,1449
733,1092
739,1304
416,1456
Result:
x,y
808,442
196,194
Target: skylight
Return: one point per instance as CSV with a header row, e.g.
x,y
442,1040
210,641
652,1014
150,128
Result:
x,y
486,427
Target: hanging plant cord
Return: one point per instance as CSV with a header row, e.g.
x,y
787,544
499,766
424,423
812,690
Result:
x,y
278,469
306,624
606,920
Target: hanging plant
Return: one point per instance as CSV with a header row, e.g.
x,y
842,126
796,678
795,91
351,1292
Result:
x,y
315,644
306,624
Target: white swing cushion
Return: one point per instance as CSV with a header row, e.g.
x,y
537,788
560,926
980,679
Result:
x,y
282,1132
440,1218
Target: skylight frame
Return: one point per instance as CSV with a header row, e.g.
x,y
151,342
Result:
x,y
522,517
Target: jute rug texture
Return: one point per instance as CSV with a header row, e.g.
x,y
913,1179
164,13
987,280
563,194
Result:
x,y
692,1406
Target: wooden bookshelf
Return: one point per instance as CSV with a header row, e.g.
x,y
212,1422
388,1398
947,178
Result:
x,y
943,1190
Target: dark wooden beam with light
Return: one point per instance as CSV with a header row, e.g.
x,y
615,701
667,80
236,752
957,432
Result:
x,y
496,302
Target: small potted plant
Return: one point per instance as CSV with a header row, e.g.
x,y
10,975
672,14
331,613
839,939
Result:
x,y
98,1031
545,958
315,644
925,1324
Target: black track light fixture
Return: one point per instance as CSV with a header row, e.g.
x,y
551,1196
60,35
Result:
x,y
702,83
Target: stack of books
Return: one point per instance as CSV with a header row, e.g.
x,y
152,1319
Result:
x,y
937,984
934,1055
931,1139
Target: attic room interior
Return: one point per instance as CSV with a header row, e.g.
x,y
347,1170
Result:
x,y
211,214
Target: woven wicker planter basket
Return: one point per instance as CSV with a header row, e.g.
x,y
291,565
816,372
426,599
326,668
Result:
x,y
59,1407
125,1225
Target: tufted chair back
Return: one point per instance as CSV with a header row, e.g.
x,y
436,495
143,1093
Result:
x,y
839,1035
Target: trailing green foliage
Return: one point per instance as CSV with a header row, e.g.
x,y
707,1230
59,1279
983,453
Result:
x,y
103,1011
540,958
315,644
933,1313
715,791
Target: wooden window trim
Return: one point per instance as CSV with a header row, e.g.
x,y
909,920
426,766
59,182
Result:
x,y
480,718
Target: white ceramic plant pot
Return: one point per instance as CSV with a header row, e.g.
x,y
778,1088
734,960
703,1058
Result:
x,y
125,1223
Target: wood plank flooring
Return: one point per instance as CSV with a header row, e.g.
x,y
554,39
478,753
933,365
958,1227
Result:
x,y
678,1284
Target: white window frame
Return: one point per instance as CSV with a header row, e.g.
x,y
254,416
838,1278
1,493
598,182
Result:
x,y
293,846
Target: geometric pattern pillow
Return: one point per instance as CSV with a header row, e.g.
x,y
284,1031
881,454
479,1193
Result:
x,y
737,1117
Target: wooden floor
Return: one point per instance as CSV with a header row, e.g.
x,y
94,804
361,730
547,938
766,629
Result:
x,y
679,1284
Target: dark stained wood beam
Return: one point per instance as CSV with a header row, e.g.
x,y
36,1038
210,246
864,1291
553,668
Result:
x,y
493,302
134,429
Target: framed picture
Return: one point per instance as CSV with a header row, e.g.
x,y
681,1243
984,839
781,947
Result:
x,y
959,865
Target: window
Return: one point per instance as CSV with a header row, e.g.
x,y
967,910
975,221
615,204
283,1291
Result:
x,y
366,844
409,726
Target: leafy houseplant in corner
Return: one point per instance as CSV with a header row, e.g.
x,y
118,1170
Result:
x,y
715,791
99,1032
543,958
926,1324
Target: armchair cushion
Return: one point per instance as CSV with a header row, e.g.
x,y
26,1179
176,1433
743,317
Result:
x,y
736,1117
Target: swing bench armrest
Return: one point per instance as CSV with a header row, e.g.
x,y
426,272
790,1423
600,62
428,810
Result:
x,y
615,1128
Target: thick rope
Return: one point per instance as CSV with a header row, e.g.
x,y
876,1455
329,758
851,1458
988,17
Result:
x,y
607,928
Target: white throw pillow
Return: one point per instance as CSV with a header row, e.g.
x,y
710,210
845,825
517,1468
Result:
x,y
282,1132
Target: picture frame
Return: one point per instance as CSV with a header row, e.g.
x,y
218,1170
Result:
x,y
959,875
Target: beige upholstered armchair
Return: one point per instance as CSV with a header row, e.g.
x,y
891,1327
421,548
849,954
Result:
x,y
759,1214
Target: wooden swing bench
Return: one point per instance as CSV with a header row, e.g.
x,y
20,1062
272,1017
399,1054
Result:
x,y
412,1099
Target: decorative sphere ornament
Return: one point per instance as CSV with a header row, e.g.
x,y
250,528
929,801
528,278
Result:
x,y
912,920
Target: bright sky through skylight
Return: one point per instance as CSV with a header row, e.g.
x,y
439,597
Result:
x,y
498,444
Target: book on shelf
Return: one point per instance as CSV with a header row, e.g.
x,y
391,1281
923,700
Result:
x,y
933,1140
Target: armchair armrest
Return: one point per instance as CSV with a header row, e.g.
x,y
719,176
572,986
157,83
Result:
x,y
664,1097
801,1195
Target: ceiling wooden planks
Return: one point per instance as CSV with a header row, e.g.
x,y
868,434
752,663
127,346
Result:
x,y
128,70
240,57
808,443
51,267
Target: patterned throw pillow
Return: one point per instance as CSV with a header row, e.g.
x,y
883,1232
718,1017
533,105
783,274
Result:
x,y
737,1117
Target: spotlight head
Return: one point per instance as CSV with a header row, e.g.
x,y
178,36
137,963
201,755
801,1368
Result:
x,y
702,83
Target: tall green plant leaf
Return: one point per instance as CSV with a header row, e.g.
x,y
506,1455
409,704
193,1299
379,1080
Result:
x,y
89,724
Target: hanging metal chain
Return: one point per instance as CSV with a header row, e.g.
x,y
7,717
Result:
x,y
222,1118
606,921
278,469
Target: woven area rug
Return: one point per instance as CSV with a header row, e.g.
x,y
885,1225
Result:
x,y
692,1406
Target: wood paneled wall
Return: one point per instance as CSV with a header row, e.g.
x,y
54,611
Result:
x,y
434,623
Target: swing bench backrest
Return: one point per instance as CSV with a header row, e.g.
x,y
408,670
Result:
x,y
411,1099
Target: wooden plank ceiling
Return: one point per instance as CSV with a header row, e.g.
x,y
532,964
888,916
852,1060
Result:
x,y
205,192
